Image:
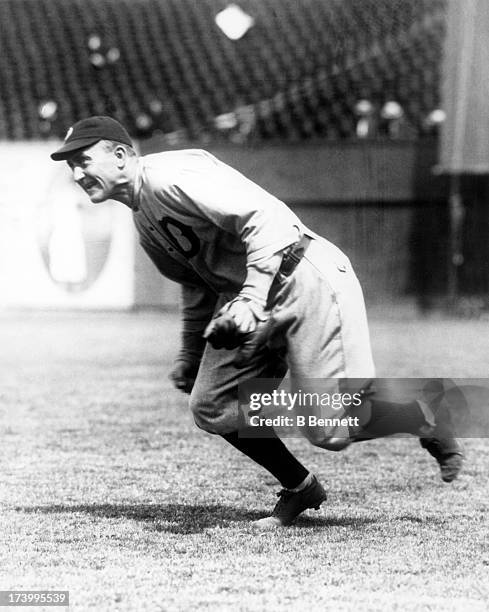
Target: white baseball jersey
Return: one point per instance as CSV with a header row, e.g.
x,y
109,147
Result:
x,y
208,227
214,231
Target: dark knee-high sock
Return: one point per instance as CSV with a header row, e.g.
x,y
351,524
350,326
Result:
x,y
388,418
271,453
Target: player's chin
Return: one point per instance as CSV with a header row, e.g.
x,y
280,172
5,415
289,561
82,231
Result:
x,y
96,196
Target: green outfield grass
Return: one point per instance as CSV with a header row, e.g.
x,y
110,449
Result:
x,y
109,491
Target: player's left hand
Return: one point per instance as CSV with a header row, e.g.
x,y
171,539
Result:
x,y
184,373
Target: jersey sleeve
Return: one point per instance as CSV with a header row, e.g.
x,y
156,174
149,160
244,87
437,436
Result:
x,y
198,302
264,224
198,305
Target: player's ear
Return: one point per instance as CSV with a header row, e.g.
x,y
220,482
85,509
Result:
x,y
121,156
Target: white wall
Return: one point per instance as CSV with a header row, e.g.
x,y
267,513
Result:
x,y
57,249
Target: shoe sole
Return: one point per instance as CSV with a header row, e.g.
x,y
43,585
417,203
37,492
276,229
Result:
x,y
272,522
452,472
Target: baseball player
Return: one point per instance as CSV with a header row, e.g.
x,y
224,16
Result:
x,y
261,294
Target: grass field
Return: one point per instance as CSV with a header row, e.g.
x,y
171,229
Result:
x,y
109,491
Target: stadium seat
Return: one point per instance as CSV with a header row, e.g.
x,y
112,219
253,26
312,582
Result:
x,y
319,56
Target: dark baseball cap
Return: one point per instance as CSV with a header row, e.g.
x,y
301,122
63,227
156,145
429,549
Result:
x,y
87,132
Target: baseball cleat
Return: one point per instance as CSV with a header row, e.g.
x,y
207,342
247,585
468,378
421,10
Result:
x,y
449,454
440,440
291,504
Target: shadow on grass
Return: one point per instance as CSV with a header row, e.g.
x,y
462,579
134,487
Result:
x,y
172,518
186,518
325,521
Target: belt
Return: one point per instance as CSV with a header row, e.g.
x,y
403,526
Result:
x,y
293,255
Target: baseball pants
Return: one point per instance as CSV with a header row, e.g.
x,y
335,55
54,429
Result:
x,y
317,330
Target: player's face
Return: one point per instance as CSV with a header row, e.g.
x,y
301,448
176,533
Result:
x,y
96,170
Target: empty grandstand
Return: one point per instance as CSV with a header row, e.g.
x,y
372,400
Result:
x,y
299,73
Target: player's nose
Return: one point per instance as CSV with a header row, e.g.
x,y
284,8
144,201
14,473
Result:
x,y
78,174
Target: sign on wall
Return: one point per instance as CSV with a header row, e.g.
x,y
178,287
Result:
x,y
57,249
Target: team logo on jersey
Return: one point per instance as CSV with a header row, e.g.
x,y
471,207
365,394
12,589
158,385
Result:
x,y
181,236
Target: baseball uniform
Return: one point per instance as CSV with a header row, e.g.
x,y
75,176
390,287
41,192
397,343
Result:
x,y
230,243
216,232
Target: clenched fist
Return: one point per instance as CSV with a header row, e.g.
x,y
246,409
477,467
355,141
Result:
x,y
184,373
238,324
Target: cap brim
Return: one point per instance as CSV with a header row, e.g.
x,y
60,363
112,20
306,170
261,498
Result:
x,y
68,149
